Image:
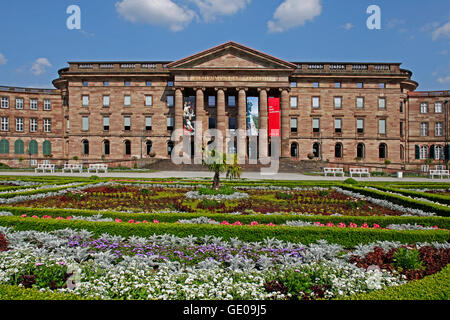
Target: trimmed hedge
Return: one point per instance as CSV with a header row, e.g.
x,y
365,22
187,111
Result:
x,y
434,287
38,191
430,196
8,292
383,221
398,199
347,237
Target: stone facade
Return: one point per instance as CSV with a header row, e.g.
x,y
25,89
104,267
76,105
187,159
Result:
x,y
348,114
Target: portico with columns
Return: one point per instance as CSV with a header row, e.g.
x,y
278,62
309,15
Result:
x,y
236,71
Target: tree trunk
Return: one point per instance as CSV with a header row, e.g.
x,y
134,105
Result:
x,y
216,182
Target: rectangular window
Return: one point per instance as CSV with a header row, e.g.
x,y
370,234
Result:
x,y
338,85
424,107
47,125
360,102
293,84
5,124
424,129
105,123
212,123
127,101
232,123
33,104
294,128
148,83
360,85
127,123
338,125
19,103
360,126
170,83
170,123
401,129
85,100
401,106
316,102
231,101
294,102
438,107
19,124
33,125
148,101
338,102
85,124
170,101
382,126
148,123
106,83
127,83
47,104
438,129
68,124
5,102
382,85
315,85
106,101
381,103
85,83
212,101
316,125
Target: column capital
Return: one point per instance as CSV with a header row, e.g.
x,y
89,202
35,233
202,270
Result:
x,y
241,88
263,89
219,88
179,88
199,89
285,89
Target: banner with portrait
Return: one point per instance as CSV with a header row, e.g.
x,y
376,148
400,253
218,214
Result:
x,y
189,115
252,116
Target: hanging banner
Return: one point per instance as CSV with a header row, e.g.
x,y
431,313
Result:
x,y
274,117
252,116
189,115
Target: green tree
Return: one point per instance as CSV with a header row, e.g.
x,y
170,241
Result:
x,y
218,163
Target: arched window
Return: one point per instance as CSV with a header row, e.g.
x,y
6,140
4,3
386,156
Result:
x,y
149,147
439,153
294,150
85,144
127,147
424,152
33,147
361,151
4,146
19,147
106,148
316,150
382,150
402,152
47,148
169,148
338,150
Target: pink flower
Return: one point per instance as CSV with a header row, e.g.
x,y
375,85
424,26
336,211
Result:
x,y
145,221
24,216
60,218
341,225
353,225
225,223
131,221
137,222
254,223
118,220
155,221
365,226
237,223
69,218
329,224
36,217
271,225
376,226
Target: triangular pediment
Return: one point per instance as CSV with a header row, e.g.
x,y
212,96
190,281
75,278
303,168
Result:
x,y
231,56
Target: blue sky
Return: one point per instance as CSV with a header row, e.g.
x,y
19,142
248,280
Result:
x,y
35,41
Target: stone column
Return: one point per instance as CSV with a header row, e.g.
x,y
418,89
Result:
x,y
242,126
285,123
200,126
263,122
178,108
221,115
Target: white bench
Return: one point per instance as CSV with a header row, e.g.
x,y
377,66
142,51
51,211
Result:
x,y
98,167
440,173
72,168
360,172
45,167
333,171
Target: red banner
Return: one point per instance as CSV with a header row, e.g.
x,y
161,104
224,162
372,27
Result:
x,y
274,117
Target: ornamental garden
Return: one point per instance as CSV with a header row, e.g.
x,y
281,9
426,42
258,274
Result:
x,y
179,239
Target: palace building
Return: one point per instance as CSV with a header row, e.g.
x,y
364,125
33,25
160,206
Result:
x,y
345,114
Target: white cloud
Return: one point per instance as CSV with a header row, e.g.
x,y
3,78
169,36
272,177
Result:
x,y
3,60
210,9
442,31
164,13
444,80
294,13
40,66
348,26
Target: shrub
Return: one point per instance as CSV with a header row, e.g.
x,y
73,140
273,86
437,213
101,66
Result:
x,y
3,243
222,190
350,181
284,196
407,259
10,293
